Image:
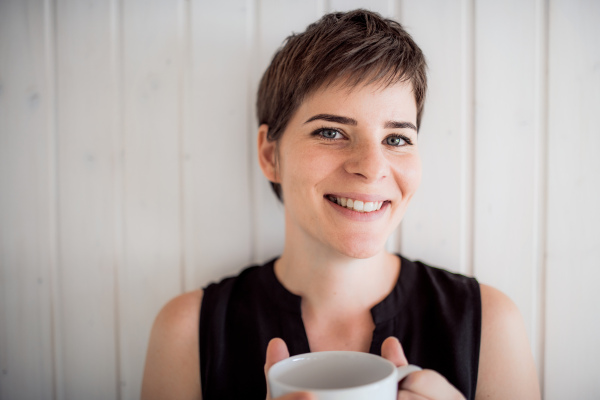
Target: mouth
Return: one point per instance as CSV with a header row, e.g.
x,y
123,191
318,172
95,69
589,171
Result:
x,y
357,205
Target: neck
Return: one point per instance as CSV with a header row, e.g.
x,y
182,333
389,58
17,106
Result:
x,y
327,280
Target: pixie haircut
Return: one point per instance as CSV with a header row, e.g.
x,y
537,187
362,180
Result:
x,y
351,48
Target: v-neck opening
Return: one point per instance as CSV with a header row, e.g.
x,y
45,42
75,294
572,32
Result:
x,y
385,310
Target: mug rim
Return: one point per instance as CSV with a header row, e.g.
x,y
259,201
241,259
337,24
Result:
x,y
320,354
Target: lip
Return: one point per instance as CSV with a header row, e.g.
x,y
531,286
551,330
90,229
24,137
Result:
x,y
359,216
359,196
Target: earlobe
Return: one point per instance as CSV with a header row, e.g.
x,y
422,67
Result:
x,y
267,154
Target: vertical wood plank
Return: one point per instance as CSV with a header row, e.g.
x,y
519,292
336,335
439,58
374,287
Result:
x,y
430,229
386,9
393,11
276,20
152,63
540,128
217,212
380,6
86,123
505,145
573,197
26,202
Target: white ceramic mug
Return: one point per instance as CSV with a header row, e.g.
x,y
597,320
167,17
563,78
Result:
x,y
337,375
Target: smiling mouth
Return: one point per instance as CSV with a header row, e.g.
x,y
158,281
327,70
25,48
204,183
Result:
x,y
357,205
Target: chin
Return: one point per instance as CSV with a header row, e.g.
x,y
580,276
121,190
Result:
x,y
361,250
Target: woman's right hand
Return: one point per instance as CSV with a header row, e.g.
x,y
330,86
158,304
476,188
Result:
x,y
425,384
277,351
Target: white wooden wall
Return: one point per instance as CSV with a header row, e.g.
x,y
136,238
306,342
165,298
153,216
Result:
x,y
128,174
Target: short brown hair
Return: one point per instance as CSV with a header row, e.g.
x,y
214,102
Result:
x,y
354,47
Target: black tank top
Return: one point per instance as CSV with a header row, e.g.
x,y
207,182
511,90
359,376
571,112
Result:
x,y
435,314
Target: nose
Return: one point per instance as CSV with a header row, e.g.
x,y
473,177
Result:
x,y
368,162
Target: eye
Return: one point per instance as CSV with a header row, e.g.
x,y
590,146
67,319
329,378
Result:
x,y
397,141
329,134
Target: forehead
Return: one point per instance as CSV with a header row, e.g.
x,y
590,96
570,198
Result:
x,y
371,101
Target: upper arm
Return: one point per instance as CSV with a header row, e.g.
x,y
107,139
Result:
x,y
172,368
506,366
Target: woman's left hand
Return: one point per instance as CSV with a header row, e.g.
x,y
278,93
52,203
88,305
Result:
x,y
425,384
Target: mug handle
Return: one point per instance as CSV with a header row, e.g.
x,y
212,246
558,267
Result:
x,y
405,370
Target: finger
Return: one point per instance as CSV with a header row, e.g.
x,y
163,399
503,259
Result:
x,y
406,395
276,351
391,349
430,384
296,396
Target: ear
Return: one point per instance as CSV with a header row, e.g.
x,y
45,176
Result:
x,y
267,154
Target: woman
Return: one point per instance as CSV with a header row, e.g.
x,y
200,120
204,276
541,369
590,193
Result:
x,y
339,110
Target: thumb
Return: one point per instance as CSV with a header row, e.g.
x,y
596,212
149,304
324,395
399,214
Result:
x,y
276,351
391,349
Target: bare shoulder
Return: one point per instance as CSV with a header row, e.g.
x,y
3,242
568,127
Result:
x,y
506,366
497,308
172,368
182,311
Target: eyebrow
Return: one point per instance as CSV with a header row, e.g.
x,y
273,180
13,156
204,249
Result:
x,y
400,125
333,118
349,121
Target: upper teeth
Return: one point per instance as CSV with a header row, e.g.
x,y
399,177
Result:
x,y
357,205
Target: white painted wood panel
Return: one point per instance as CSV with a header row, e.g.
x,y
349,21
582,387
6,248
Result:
x,y
388,9
383,7
151,58
505,209
431,228
26,199
573,307
112,198
86,123
275,20
217,141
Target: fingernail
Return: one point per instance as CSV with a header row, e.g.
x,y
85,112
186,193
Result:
x,y
303,396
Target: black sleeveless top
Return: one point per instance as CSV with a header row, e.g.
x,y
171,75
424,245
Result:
x,y
435,314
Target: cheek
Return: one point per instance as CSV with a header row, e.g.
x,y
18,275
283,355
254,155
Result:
x,y
408,174
302,169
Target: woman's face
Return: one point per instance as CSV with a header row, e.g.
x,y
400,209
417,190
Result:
x,y
348,164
